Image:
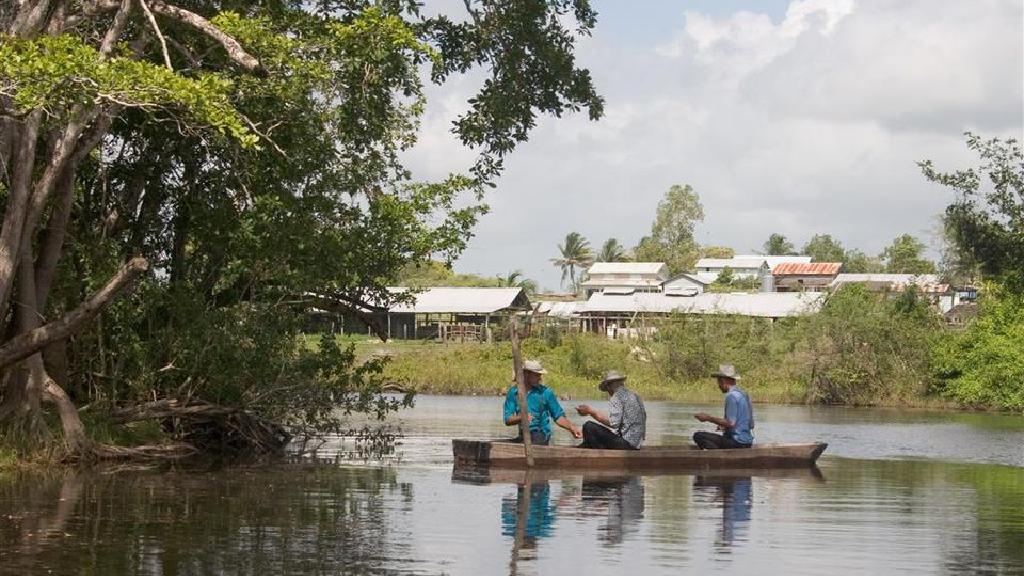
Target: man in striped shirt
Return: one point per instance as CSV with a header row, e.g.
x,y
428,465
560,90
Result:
x,y
625,425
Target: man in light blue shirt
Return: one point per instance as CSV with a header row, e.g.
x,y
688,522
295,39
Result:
x,y
739,415
542,405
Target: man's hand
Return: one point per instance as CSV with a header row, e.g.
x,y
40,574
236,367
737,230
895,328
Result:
x,y
702,416
576,432
584,410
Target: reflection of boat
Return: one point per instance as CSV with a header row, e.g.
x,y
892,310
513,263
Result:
x,y
503,454
492,475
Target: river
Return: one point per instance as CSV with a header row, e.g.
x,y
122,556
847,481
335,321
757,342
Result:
x,y
897,492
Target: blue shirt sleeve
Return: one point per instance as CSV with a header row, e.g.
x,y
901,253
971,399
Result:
x,y
732,408
511,404
554,408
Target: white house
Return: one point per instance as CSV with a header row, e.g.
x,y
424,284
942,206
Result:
x,y
685,284
625,277
745,265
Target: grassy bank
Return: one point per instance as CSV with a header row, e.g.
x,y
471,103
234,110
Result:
x,y
574,368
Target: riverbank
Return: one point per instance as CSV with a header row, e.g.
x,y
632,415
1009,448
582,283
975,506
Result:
x,y
576,364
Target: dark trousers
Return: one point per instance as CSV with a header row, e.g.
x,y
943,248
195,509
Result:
x,y
536,438
712,441
598,436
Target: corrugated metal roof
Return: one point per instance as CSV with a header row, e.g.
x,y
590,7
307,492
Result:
x,y
561,309
704,278
928,283
622,282
808,269
746,262
626,268
462,300
762,304
774,261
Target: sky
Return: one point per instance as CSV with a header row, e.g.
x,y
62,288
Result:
x,y
798,117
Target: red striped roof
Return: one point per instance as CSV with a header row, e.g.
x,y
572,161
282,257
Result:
x,y
812,269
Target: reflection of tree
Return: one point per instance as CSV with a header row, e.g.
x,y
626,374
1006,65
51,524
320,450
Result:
x,y
285,519
620,499
991,537
735,494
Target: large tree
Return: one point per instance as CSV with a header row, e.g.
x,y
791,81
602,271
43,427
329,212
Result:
x,y
574,256
985,223
248,156
906,256
778,245
671,239
824,248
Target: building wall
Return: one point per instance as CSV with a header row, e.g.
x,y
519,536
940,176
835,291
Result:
x,y
682,283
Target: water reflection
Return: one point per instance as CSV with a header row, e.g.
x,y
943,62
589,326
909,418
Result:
x,y
735,496
619,500
529,514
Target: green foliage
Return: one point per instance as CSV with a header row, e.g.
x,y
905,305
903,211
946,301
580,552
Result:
x,y
906,256
434,273
56,74
857,262
306,207
716,252
983,365
725,277
864,348
778,245
824,248
611,251
574,255
986,222
671,240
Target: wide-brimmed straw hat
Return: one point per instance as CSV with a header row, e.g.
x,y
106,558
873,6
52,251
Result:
x,y
609,377
534,366
726,371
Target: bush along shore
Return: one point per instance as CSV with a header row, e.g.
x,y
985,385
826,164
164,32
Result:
x,y
860,350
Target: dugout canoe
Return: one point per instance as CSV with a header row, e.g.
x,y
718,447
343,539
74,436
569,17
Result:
x,y
504,454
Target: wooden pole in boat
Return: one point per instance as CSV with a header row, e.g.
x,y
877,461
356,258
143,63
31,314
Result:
x,y
517,367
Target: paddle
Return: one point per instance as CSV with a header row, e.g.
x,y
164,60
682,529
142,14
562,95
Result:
x,y
517,366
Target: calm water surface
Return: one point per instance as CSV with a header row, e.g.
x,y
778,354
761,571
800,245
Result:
x,y
897,493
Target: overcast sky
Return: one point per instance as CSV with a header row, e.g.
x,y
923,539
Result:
x,y
798,117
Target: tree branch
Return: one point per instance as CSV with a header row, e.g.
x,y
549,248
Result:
x,y
234,49
159,34
27,343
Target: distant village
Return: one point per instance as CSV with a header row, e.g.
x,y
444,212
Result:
x,y
622,299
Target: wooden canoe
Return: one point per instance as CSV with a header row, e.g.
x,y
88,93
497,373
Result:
x,y
504,454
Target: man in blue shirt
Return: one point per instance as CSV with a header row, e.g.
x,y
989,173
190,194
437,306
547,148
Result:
x,y
739,415
542,405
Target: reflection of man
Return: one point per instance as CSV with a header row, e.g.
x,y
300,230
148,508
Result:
x,y
625,425
542,405
736,496
529,513
624,498
739,415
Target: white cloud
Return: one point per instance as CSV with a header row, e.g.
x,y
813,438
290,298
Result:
x,y
810,124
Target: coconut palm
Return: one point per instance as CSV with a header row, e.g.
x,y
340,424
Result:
x,y
575,254
516,279
611,251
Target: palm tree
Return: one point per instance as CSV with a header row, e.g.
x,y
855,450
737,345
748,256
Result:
x,y
611,251
516,279
575,253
